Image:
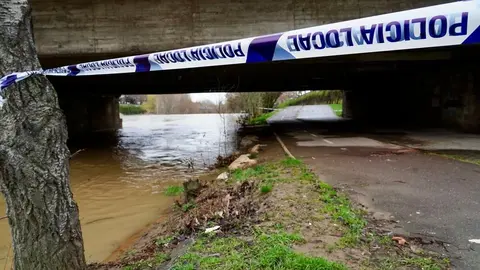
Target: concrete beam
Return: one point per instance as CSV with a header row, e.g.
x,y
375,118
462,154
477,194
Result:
x,y
125,27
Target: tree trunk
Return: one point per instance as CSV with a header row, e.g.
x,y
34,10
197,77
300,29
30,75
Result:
x,y
34,158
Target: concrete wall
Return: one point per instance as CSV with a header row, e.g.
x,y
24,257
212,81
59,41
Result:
x,y
93,27
459,96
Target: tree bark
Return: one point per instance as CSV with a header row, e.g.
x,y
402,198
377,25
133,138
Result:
x,y
34,158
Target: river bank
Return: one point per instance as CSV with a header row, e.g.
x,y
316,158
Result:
x,y
275,215
118,180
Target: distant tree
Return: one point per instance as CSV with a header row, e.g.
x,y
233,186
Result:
x,y
166,104
34,158
133,99
269,99
150,105
251,103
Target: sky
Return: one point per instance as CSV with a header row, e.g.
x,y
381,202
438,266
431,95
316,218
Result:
x,y
214,97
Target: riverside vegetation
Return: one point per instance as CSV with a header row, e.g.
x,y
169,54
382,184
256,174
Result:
x,y
275,215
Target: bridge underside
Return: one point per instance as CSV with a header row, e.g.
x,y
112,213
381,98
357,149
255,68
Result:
x,y
428,88
340,72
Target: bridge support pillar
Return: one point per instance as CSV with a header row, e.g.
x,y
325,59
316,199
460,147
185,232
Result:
x,y
87,114
460,99
447,98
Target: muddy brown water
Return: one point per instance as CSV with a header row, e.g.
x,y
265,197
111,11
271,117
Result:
x,y
119,187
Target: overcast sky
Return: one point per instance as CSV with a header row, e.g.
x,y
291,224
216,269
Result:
x,y
215,97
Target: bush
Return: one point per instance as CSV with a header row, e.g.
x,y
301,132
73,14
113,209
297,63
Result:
x,y
129,109
261,119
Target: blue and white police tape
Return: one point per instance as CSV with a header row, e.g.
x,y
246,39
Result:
x,y
450,24
13,78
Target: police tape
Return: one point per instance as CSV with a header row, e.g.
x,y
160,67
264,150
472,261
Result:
x,y
450,24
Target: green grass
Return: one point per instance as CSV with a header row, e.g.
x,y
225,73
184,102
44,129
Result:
x,y
338,206
291,162
261,119
173,190
266,188
337,108
414,262
162,241
265,251
267,173
188,206
129,109
461,158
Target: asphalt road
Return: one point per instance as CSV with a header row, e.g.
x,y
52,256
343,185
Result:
x,y
430,196
302,113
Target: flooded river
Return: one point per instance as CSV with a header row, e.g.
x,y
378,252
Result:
x,y
119,186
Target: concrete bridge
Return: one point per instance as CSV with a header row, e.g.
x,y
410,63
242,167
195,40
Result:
x,y
429,86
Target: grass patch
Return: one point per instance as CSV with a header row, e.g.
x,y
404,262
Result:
x,y
173,190
261,119
129,109
337,108
188,206
266,251
338,206
461,158
291,162
415,262
264,173
266,188
162,241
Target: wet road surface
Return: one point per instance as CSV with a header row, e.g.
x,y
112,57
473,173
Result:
x,y
430,196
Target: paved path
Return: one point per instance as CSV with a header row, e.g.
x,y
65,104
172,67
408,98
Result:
x,y
304,113
429,195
